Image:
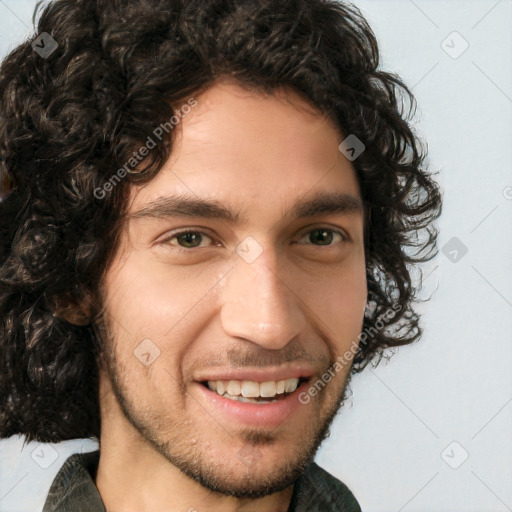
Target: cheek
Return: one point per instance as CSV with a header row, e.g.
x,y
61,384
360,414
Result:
x,y
340,304
155,316
146,298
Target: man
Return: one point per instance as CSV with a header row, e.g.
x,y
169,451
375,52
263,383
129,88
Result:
x,y
207,236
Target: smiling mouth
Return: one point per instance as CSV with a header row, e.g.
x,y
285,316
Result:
x,y
254,392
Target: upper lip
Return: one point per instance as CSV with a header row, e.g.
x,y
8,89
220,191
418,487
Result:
x,y
258,375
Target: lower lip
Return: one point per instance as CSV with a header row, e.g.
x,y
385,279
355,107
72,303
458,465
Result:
x,y
270,414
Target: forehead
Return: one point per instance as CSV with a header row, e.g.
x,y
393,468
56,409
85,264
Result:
x,y
234,122
243,147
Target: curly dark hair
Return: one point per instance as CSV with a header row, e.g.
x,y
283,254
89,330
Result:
x,y
120,68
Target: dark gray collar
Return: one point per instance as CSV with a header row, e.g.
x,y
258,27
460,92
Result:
x,y
73,489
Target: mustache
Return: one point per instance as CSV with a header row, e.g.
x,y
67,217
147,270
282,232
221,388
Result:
x,y
237,357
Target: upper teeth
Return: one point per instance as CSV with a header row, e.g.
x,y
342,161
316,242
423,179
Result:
x,y
253,389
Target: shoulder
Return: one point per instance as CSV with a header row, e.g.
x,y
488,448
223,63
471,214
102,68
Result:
x,y
73,488
319,490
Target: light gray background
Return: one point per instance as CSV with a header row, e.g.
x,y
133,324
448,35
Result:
x,y
392,444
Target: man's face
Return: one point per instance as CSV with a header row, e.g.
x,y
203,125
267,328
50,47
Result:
x,y
277,294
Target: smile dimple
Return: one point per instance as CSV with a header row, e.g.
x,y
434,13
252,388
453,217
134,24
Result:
x,y
252,391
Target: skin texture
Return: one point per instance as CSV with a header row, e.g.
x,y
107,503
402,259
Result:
x,y
300,301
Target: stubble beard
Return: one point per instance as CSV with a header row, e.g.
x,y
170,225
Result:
x,y
212,475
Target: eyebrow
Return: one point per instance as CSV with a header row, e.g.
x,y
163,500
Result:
x,y
189,206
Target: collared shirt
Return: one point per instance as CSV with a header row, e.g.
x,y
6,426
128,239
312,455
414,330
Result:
x,y
74,490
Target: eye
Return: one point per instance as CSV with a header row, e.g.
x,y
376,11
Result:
x,y
324,236
188,239
193,239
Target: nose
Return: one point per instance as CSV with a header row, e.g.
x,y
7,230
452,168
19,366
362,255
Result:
x,y
260,304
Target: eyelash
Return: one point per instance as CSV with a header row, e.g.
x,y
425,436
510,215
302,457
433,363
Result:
x,y
176,234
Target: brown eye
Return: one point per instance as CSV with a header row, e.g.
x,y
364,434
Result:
x,y
324,236
189,239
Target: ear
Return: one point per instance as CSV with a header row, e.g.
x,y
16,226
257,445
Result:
x,y
67,309
6,180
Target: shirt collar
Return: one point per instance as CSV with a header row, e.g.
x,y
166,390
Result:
x,y
74,490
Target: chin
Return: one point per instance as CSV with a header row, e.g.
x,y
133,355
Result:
x,y
252,481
